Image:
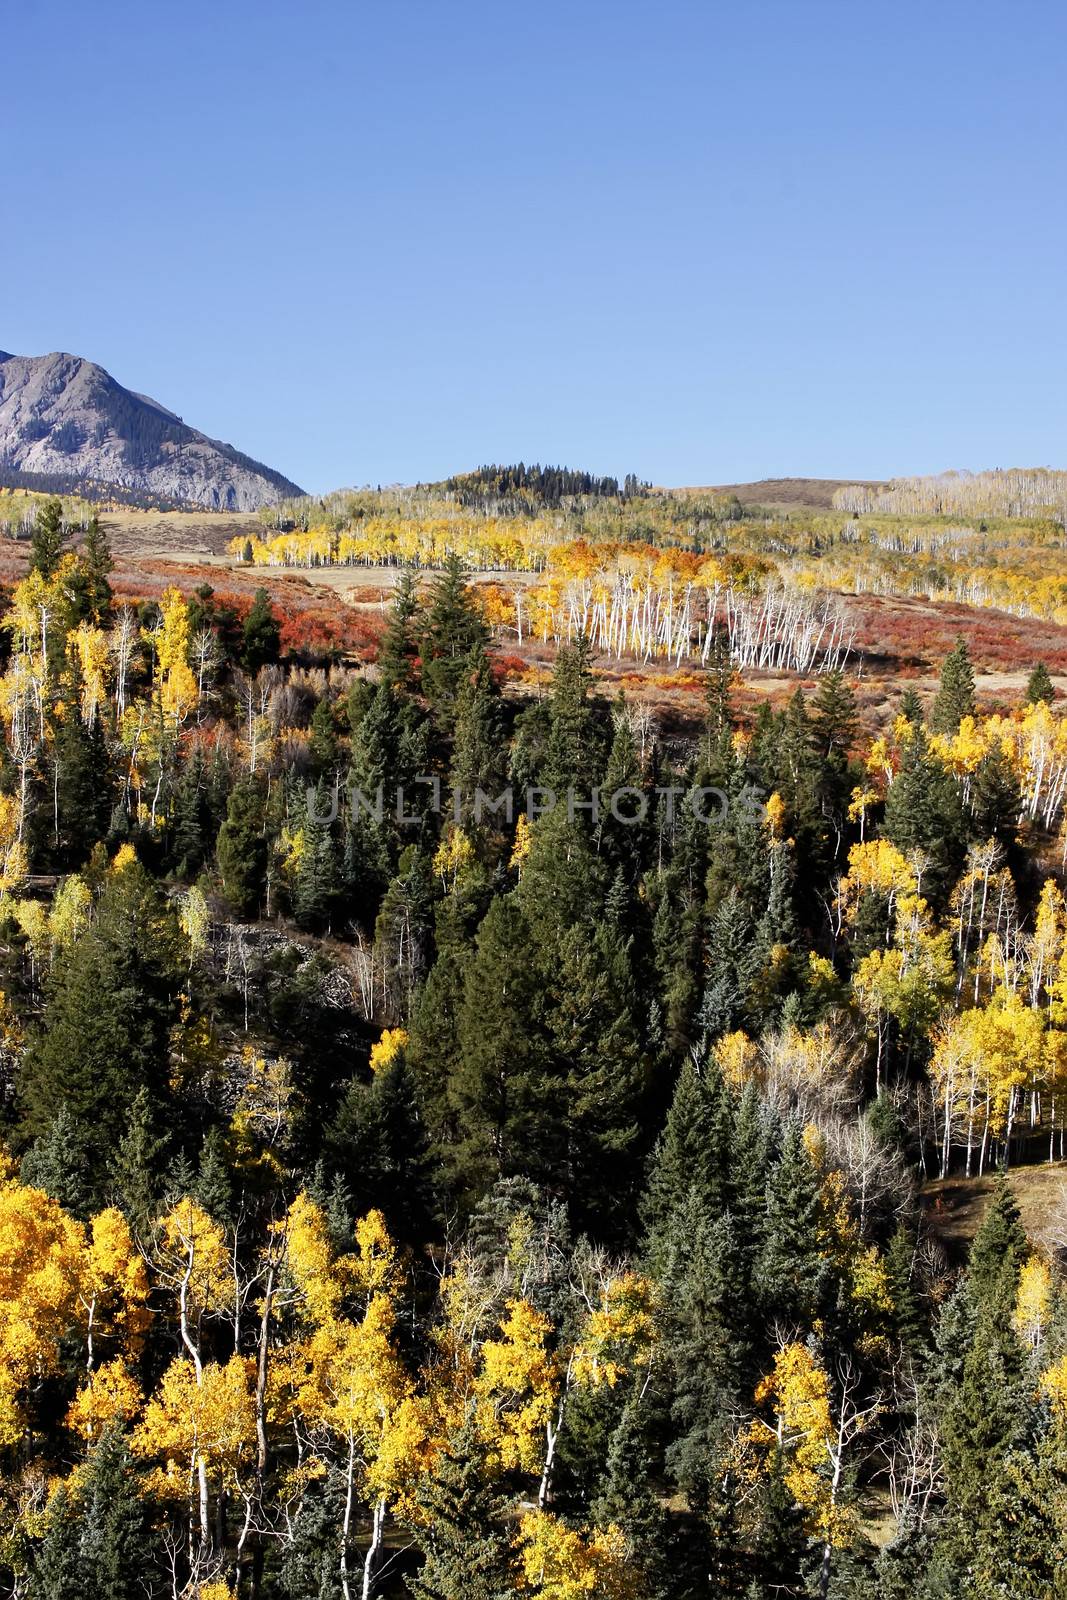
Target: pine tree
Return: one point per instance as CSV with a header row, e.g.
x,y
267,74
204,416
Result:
x,y
58,1163
594,1032
322,741
48,540
378,1143
467,1545
242,849
704,1306
317,891
134,1173
955,696
924,812
506,1101
627,1498
110,1003
261,635
911,708
791,1272
95,563
692,1155
214,1181
118,1545
399,647
1039,686
454,632
996,798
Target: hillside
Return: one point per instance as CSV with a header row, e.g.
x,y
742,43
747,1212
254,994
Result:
x,y
67,424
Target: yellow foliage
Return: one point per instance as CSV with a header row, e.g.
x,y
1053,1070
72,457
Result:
x,y
454,853
737,1057
523,842
618,1335
311,1259
188,1422
799,1391
197,1247
516,1388
561,1563
174,677
41,1252
386,1049
110,1394
1033,1302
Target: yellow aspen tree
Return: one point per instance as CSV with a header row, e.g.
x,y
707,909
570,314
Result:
x,y
200,1424
1033,1303
113,1292
91,648
563,1563
385,1050
110,1394
813,1432
41,1252
175,682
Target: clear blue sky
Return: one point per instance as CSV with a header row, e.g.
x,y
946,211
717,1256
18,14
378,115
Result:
x,y
704,242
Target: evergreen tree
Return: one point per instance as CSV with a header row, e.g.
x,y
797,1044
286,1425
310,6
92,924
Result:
x,y
322,741
454,631
996,798
627,1498
399,646
506,1100
110,1003
48,539
317,890
468,1549
1039,686
692,1155
378,1143
955,696
58,1163
261,635
791,1271
134,1172
95,570
242,850
924,812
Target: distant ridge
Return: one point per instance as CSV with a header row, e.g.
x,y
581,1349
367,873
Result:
x,y
66,423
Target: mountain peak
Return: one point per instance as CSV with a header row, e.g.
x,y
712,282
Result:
x,y
64,417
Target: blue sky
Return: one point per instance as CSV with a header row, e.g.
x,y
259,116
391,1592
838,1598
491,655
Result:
x,y
705,242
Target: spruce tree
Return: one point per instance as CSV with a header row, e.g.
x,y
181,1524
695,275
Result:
x,y
692,1156
58,1162
260,635
379,1146
95,564
1039,686
467,1543
955,696
48,539
242,850
399,646
504,1096
924,812
453,632
627,1498
791,1271
110,1003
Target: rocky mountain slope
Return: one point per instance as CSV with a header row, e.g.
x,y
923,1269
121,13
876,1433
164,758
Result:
x,y
65,419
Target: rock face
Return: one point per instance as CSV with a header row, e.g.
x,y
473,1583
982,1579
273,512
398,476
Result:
x,y
67,419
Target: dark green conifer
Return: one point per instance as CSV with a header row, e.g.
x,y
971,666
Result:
x,y
1039,686
468,1546
955,696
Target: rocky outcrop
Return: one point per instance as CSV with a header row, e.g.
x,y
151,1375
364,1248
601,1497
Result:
x,y
65,418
